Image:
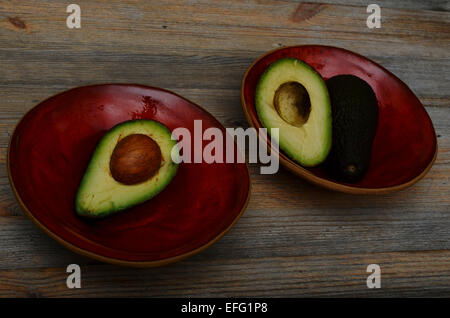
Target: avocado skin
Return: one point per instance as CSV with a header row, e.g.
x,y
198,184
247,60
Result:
x,y
354,110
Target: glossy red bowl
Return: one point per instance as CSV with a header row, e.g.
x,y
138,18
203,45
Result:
x,y
405,144
52,145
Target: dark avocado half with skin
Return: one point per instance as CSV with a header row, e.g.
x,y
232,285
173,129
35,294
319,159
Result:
x,y
355,118
131,164
293,97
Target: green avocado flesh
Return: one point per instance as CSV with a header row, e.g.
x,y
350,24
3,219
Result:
x,y
293,97
355,119
99,194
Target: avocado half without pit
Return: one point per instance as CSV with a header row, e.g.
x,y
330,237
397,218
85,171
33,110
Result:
x,y
131,164
293,97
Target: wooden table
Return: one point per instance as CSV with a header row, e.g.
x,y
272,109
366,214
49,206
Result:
x,y
294,239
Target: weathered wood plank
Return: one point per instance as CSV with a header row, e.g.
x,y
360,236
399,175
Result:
x,y
224,27
331,275
310,229
433,5
425,76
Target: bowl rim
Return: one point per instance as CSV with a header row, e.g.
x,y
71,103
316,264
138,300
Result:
x,y
93,255
300,171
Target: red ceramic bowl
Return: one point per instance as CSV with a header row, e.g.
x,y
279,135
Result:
x,y
52,145
405,144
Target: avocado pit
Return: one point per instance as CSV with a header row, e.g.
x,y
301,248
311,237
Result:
x,y
292,103
135,159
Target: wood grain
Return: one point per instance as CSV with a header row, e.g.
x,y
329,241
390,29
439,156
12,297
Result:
x,y
263,277
294,239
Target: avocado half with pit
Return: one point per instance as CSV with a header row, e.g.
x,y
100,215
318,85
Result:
x,y
131,164
293,97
